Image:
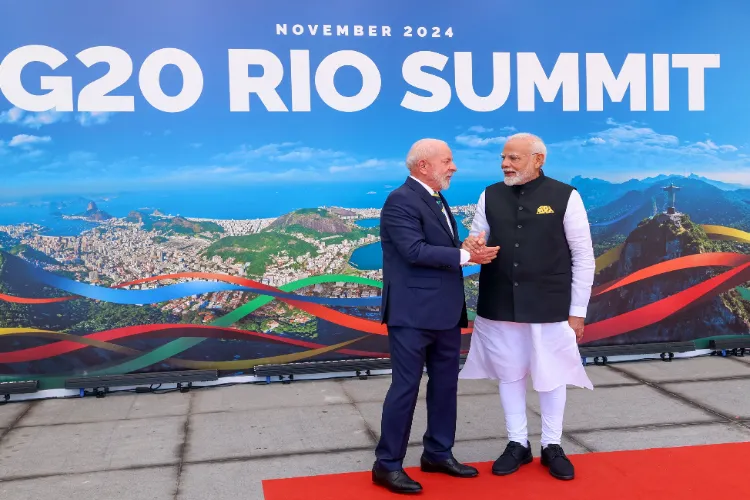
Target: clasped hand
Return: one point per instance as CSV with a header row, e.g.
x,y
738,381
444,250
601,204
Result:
x,y
478,250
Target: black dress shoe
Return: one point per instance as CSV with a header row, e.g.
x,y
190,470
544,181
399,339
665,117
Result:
x,y
560,467
396,481
514,456
450,466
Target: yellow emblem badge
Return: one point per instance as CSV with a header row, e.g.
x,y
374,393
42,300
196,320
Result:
x,y
544,209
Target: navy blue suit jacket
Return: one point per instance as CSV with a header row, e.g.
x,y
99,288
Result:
x,y
423,285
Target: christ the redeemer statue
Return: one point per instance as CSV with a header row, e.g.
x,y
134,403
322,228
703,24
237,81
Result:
x,y
672,190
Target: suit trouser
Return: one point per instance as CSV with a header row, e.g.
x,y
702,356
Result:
x,y
410,350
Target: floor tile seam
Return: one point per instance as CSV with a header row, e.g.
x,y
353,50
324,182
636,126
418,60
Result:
x,y
368,428
32,477
14,424
183,448
677,397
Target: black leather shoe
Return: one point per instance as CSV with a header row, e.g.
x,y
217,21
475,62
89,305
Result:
x,y
397,481
514,456
451,467
560,467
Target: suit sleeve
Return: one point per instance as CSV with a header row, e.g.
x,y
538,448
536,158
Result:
x,y
401,220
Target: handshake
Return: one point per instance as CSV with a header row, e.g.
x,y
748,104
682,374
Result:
x,y
479,252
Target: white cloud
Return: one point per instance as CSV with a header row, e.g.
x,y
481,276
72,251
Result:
x,y
710,145
22,118
26,141
474,141
234,174
73,161
298,161
372,163
246,153
13,115
17,116
88,119
479,129
307,154
634,150
631,138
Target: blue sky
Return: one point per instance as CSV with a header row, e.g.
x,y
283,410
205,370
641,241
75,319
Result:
x,y
207,145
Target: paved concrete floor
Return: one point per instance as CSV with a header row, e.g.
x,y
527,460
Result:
x,y
219,443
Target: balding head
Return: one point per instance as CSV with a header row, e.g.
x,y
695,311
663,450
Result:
x,y
431,161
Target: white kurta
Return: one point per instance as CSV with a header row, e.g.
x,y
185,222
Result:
x,y
508,351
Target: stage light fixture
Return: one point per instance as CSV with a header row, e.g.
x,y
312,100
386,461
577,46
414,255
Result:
x,y
362,367
666,350
22,387
726,347
100,385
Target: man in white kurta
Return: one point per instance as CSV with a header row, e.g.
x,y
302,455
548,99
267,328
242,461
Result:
x,y
536,297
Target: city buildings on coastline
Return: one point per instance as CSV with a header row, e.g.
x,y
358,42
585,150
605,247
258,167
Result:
x,y
118,251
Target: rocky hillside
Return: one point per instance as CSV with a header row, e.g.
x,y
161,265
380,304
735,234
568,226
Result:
x,y
659,239
173,225
94,214
313,219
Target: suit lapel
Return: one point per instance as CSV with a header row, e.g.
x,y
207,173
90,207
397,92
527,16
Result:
x,y
454,224
427,198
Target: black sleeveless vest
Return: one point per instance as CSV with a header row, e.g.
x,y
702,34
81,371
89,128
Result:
x,y
530,280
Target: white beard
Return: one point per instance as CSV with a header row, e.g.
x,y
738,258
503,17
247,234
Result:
x,y
442,182
515,180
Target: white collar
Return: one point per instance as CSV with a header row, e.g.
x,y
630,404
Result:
x,y
428,188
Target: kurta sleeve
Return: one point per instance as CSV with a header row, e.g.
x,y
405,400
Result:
x,y
578,234
479,223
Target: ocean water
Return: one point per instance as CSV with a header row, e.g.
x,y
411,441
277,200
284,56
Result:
x,y
370,257
243,202
44,216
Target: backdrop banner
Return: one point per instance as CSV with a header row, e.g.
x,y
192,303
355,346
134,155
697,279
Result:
x,y
197,185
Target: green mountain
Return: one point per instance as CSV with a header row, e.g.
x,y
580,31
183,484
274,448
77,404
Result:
x,y
312,221
32,255
320,224
597,192
258,250
704,202
660,239
6,241
93,213
173,225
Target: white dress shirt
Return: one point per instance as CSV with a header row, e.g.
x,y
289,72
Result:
x,y
578,234
465,256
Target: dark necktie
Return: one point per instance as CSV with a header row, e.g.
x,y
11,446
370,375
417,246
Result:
x,y
439,202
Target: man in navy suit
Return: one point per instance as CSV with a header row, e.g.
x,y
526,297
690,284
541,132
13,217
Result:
x,y
424,307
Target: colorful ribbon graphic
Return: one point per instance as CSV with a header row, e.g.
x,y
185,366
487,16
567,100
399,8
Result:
x,y
189,336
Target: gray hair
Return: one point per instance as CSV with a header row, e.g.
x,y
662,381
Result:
x,y
537,145
420,150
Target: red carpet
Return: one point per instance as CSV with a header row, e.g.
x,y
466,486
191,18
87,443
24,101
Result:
x,y
687,473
